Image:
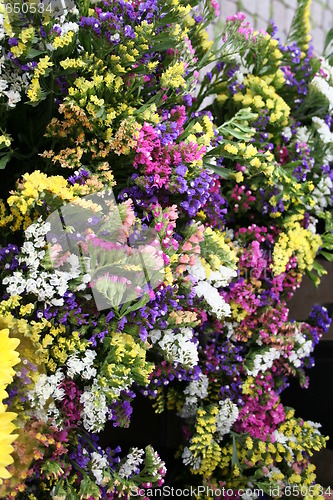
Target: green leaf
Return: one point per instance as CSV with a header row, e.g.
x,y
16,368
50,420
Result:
x,y
4,160
328,239
328,256
313,277
319,268
328,41
225,173
34,53
234,460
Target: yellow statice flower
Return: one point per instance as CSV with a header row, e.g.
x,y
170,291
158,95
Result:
x,y
34,92
5,139
172,77
63,41
260,92
33,188
231,148
295,241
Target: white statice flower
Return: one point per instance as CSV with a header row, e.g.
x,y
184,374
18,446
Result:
x,y
210,294
312,225
95,410
2,27
303,134
14,82
98,464
13,97
48,285
279,437
155,335
303,350
287,133
322,194
327,69
179,348
131,466
231,329
83,367
316,426
222,277
66,27
196,389
326,136
198,270
3,85
226,417
190,459
207,285
322,86
273,471
46,390
264,361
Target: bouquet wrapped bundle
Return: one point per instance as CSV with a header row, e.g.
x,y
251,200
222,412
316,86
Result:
x,y
163,197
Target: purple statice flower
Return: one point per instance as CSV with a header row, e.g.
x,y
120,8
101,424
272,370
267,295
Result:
x,y
13,42
203,191
319,316
128,31
56,29
79,177
9,260
121,413
187,99
91,22
98,338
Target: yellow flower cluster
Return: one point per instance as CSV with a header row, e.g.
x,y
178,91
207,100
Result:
x,y
306,28
47,345
203,446
126,361
172,77
216,251
257,162
6,22
260,94
28,201
295,241
202,132
205,43
25,38
33,188
34,92
9,357
63,40
269,53
70,63
5,140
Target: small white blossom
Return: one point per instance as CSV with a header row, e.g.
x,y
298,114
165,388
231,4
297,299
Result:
x,y
179,348
83,367
99,463
264,361
95,409
46,390
189,459
226,417
131,466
